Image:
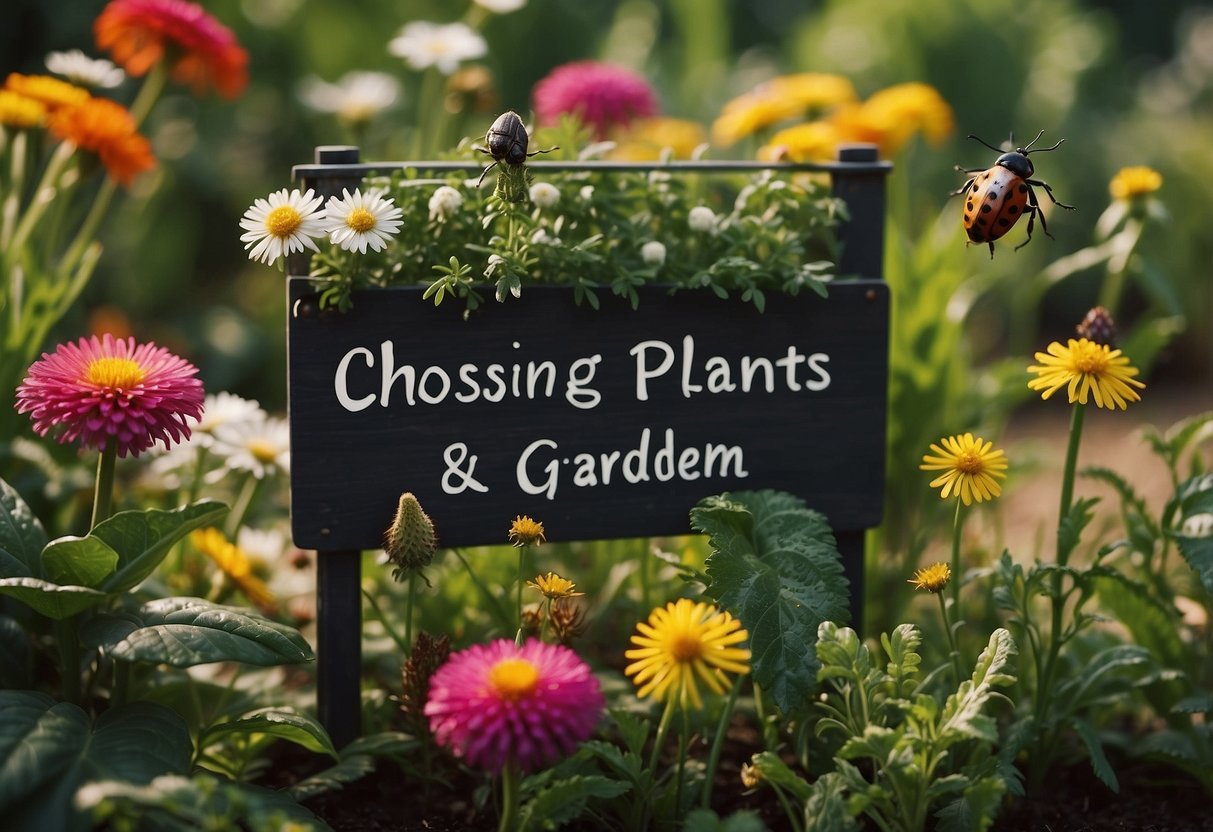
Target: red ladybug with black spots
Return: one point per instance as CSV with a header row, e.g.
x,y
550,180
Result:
x,y
995,198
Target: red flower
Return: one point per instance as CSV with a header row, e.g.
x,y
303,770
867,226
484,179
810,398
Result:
x,y
201,51
601,95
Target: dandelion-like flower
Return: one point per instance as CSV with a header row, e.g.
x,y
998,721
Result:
x,y
52,92
893,115
235,564
602,95
284,222
444,203
1133,183
971,466
199,50
443,46
78,68
106,128
682,643
361,221
702,220
811,141
16,110
554,586
1087,370
355,99
653,253
526,532
779,99
499,703
260,446
933,578
103,390
544,195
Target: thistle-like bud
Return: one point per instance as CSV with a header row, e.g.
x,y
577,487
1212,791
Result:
x,y
410,542
1098,327
429,654
568,618
513,183
532,619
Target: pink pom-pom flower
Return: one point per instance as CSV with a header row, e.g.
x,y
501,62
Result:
x,y
602,95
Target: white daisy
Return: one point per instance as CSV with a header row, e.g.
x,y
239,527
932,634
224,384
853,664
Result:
x,y
423,45
281,224
501,6
356,99
262,446
80,69
544,194
361,220
444,203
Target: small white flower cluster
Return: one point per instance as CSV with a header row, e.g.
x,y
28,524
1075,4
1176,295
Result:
x,y
703,220
234,434
80,69
545,195
445,203
287,221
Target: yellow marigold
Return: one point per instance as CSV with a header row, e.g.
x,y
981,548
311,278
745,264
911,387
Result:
x,y
780,99
106,128
810,142
554,586
1086,370
971,468
1134,182
235,564
890,117
526,532
52,92
932,578
645,139
17,110
812,90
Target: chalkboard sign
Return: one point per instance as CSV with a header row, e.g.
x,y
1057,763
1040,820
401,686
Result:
x,y
600,423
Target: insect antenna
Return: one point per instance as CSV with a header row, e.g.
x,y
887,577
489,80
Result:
x,y
987,144
549,150
486,170
1043,149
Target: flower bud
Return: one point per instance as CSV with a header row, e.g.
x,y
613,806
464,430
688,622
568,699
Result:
x,y
410,542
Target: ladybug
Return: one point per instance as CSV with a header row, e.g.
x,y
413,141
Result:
x,y
507,142
997,197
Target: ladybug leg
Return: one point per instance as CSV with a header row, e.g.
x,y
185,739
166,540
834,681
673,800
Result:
x,y
1033,211
1049,191
965,188
483,172
549,150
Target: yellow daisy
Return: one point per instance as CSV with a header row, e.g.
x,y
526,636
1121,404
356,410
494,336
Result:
x,y
932,578
1086,369
235,564
17,110
554,586
526,532
646,139
971,468
1134,182
683,643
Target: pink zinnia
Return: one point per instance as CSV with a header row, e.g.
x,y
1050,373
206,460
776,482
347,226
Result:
x,y
601,95
107,389
201,51
493,703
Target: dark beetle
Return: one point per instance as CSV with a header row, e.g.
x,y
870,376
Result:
x,y
507,142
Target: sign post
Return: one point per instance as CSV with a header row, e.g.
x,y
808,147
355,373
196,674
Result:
x,y
603,423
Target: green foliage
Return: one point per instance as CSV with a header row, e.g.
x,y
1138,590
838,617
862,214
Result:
x,y
280,723
21,536
705,820
355,761
564,800
774,565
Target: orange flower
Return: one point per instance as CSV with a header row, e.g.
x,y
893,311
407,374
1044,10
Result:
x,y
200,50
107,129
51,92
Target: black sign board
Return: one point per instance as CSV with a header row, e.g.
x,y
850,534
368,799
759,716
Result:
x,y
600,423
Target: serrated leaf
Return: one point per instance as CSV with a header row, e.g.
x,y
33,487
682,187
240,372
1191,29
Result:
x,y
826,809
284,723
1069,532
564,800
1094,675
877,743
21,536
184,632
78,561
626,765
1201,703
975,810
143,538
358,759
50,599
961,717
633,729
775,565
1099,761
1150,623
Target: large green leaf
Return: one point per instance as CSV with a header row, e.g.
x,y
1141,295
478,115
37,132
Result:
x,y
357,760
183,632
52,600
78,561
21,536
826,809
16,657
143,538
775,565
49,750
1195,497
289,725
962,717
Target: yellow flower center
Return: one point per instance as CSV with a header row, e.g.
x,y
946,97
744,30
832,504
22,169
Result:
x,y
512,679
115,373
360,220
283,221
685,647
969,462
1090,359
262,451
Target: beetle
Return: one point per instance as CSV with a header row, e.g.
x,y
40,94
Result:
x,y
507,142
996,197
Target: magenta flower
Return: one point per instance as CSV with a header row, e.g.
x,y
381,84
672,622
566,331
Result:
x,y
493,703
107,389
601,95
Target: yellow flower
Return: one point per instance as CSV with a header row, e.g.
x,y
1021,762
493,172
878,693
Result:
x,y
235,564
932,578
811,141
812,90
779,99
554,586
971,468
1086,369
50,91
751,775
682,643
17,110
645,140
1134,182
526,532
890,117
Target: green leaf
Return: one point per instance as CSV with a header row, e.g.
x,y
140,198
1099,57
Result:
x,y
632,728
49,750
284,723
1092,680
705,820
1151,624
51,600
975,810
78,561
1099,761
21,536
143,538
904,661
1070,531
16,657
775,565
184,632
776,771
961,717
358,759
826,809
564,800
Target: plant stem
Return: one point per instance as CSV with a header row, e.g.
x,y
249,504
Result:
x,y
388,628
153,85
408,614
722,728
103,489
510,781
684,739
956,527
792,815
953,650
122,683
235,518
663,728
1067,478
69,659
521,581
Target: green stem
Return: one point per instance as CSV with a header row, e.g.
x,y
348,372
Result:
x,y
69,658
722,728
103,490
504,619
122,683
954,652
956,527
1067,478
510,781
793,816
88,229
235,518
408,613
38,202
1114,284
153,85
684,738
663,728
521,582
388,628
